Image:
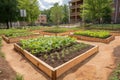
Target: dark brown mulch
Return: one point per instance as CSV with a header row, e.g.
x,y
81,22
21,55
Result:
x,y
58,62
6,72
66,58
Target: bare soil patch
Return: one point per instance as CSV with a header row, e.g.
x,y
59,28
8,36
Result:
x,y
6,72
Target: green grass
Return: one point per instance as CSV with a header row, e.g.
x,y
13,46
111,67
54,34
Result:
x,y
56,30
1,54
46,44
95,34
19,77
116,74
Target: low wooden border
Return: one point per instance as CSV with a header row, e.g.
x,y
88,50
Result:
x,y
17,39
54,73
107,40
115,33
54,34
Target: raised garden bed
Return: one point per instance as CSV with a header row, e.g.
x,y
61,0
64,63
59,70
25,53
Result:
x,y
54,61
15,39
56,32
94,36
115,33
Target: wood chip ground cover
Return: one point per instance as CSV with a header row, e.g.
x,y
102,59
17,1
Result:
x,y
54,50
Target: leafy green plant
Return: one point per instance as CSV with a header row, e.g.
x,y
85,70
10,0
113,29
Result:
x,y
46,44
96,34
19,77
0,42
20,34
116,73
7,31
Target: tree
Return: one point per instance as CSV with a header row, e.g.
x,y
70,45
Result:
x,y
8,12
32,9
56,14
95,10
47,13
66,14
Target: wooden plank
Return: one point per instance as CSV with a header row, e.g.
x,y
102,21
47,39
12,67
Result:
x,y
17,39
107,40
56,72
66,66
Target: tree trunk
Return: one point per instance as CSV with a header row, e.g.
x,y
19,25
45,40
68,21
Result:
x,y
7,23
11,24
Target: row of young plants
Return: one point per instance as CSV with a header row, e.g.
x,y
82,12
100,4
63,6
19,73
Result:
x,y
61,55
60,30
7,31
95,34
56,30
46,44
52,48
18,34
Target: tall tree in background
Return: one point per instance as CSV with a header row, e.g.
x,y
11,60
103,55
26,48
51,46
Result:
x,y
32,9
66,14
56,14
8,12
95,10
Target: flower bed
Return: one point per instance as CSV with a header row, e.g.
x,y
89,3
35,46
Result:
x,y
55,55
94,36
15,37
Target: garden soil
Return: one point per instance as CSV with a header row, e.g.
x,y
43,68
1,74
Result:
x,y
97,67
6,72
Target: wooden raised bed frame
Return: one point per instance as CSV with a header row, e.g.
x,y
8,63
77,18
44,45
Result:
x,y
54,73
107,40
17,39
54,34
115,33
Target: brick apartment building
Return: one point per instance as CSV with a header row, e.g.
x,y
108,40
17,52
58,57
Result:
x,y
75,11
42,19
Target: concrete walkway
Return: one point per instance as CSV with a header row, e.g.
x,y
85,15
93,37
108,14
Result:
x,y
97,67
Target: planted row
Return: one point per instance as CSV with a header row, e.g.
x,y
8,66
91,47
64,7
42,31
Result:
x,y
46,44
7,31
18,34
59,30
95,34
61,56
